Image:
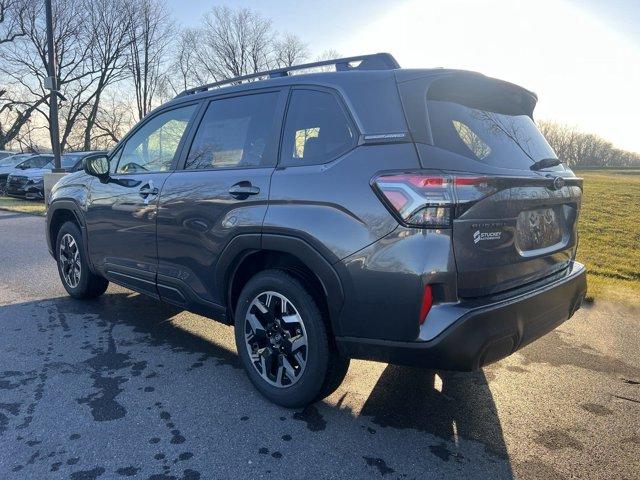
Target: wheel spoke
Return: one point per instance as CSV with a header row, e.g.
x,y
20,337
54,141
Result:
x,y
300,359
255,324
263,309
268,300
263,365
291,373
279,374
291,318
298,342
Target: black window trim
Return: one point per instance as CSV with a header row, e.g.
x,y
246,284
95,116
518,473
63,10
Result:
x,y
117,150
283,95
357,134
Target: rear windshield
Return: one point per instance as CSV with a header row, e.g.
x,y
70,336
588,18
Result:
x,y
497,139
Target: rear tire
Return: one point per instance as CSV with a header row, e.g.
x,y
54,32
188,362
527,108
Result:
x,y
73,268
286,350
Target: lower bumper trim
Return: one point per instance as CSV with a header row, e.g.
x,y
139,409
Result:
x,y
483,334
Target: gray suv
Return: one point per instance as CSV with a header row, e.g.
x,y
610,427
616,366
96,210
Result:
x,y
405,216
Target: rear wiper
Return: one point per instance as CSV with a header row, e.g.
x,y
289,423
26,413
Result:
x,y
545,163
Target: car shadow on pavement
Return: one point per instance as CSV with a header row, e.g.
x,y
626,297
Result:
x,y
446,421
449,405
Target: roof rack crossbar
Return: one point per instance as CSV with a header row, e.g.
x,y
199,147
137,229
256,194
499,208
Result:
x,y
376,61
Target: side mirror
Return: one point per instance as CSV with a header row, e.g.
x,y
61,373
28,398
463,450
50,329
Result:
x,y
97,166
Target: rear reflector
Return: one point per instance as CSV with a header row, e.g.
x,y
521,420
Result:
x,y
429,200
427,300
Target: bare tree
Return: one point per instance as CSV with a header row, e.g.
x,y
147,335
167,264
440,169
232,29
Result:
x,y
25,62
108,24
234,43
15,112
113,121
184,65
12,25
328,55
30,136
579,149
289,51
150,35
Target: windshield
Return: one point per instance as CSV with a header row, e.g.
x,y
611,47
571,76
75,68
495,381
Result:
x,y
497,139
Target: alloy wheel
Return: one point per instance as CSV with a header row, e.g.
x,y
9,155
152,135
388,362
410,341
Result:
x,y
69,258
276,339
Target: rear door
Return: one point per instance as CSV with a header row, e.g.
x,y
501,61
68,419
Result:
x,y
513,224
220,191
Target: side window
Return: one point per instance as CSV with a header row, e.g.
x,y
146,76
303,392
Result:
x,y
235,132
316,129
29,163
36,162
153,146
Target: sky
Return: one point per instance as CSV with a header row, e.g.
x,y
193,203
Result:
x,y
582,58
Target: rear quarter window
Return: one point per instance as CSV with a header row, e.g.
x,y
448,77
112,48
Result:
x,y
317,129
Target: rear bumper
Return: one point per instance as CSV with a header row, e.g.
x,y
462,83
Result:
x,y
484,331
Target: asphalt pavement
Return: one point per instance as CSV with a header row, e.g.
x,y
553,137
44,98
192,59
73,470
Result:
x,y
125,387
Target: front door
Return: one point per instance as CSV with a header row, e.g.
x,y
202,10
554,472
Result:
x,y
121,214
219,191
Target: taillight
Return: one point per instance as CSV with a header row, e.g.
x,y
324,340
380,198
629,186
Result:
x,y
430,200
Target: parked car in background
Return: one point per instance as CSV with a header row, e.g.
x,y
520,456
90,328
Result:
x,y
405,216
31,168
72,161
6,153
30,182
8,165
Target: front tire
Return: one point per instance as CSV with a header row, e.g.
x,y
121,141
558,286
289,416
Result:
x,y
283,341
73,268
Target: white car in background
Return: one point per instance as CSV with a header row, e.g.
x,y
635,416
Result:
x,y
19,164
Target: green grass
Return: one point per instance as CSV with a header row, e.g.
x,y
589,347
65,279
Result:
x,y
32,207
609,231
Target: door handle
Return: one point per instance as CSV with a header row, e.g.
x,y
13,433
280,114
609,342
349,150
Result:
x,y
148,189
243,190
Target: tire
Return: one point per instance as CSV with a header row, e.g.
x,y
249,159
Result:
x,y
78,281
300,383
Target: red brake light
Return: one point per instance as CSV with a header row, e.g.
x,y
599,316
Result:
x,y
427,300
428,200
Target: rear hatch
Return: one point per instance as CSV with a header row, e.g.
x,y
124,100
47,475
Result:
x,y
515,218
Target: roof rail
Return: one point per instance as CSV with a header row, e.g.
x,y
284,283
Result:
x,y
376,61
